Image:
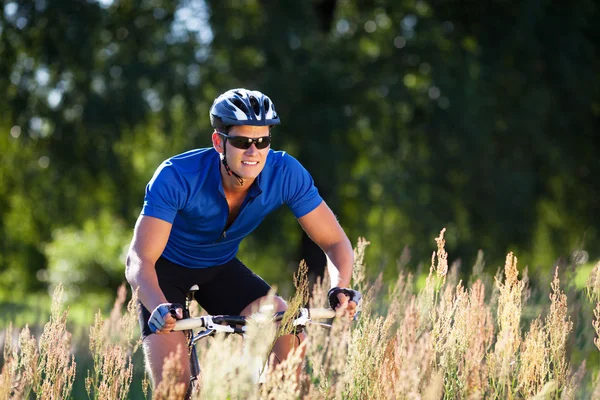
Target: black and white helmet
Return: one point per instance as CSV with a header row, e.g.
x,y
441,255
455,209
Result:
x,y
242,107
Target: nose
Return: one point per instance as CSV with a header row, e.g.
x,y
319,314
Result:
x,y
252,149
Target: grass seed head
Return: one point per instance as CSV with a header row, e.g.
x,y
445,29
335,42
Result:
x,y
534,362
170,387
359,274
559,325
509,318
442,257
596,324
593,283
56,367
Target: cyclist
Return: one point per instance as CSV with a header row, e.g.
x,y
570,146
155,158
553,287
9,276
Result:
x,y
198,207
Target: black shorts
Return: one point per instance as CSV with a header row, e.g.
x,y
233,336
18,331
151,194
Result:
x,y
223,290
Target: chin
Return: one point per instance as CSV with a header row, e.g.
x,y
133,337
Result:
x,y
252,175
249,176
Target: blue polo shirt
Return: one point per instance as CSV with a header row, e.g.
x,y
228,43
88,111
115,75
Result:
x,y
187,191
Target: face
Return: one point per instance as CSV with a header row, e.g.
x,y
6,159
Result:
x,y
247,163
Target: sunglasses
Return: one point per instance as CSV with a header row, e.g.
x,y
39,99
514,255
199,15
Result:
x,y
243,142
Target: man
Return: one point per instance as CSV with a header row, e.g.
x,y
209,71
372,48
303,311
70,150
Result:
x,y
200,205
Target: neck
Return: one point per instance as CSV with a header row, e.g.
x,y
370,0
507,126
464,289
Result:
x,y
231,184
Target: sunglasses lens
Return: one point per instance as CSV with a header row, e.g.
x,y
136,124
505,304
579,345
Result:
x,y
264,142
242,142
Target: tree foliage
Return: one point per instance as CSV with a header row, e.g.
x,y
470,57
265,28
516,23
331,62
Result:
x,y
410,115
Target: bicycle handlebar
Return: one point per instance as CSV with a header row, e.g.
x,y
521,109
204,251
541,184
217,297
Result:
x,y
222,322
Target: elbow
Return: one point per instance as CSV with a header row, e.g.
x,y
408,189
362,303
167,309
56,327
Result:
x,y
131,270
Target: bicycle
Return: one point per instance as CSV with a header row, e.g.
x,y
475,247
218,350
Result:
x,y
210,325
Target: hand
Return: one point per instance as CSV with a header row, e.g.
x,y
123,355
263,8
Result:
x,y
163,317
345,301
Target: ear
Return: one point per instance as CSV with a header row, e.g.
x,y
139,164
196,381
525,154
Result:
x,y
217,142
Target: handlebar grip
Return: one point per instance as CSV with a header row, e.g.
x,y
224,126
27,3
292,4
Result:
x,y
189,323
321,313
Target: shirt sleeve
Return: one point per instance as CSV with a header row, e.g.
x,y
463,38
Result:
x,y
300,192
165,193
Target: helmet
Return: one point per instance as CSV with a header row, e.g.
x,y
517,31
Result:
x,y
242,107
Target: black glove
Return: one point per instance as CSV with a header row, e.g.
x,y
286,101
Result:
x,y
157,321
354,296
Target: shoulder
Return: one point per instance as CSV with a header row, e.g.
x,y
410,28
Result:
x,y
191,162
282,160
288,171
297,186
186,168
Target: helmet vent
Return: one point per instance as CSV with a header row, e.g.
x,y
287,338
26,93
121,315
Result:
x,y
255,106
266,105
240,104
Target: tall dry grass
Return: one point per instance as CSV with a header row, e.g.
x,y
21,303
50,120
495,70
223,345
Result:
x,y
448,339
112,344
46,366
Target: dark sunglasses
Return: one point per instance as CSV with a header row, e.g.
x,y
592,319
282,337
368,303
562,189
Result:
x,y
243,142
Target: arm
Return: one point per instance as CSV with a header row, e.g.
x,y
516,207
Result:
x,y
150,237
322,227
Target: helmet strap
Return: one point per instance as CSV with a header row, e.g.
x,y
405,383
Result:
x,y
229,171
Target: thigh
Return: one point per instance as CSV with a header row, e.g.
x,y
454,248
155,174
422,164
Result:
x,y
175,282
158,347
233,288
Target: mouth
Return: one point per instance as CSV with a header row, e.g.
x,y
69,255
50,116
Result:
x,y
250,163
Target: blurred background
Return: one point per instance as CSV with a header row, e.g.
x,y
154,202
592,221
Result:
x,y
478,116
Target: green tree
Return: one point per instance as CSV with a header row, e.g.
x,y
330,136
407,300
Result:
x,y
410,115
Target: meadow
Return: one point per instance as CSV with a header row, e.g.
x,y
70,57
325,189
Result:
x,y
507,336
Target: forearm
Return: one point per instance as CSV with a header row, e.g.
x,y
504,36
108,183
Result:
x,y
142,277
339,265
